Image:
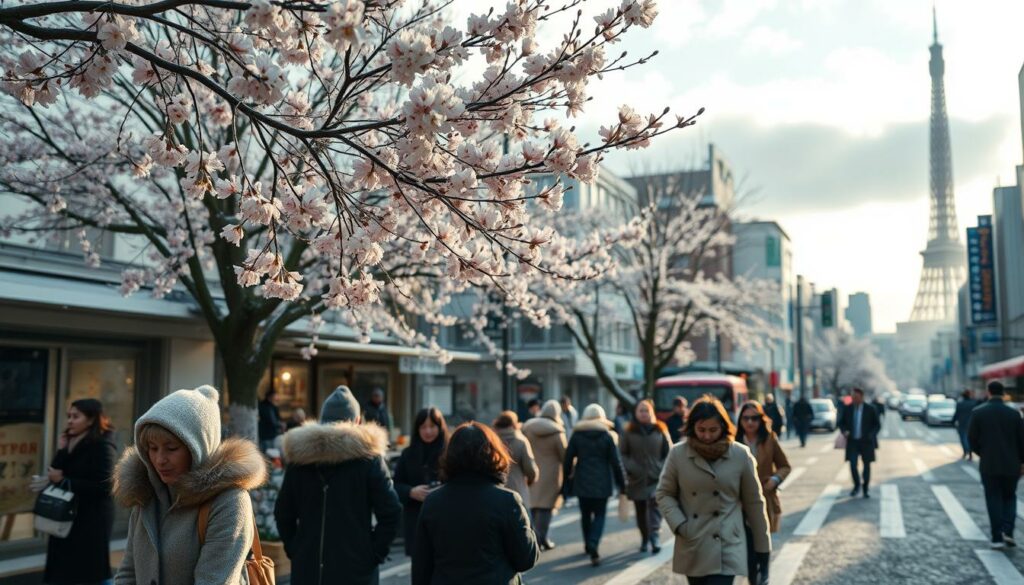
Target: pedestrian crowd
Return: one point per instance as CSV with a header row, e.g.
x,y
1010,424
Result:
x,y
474,505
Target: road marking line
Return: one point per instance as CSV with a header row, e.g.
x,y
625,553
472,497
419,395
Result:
x,y
826,448
902,432
1000,568
961,520
923,470
947,451
812,460
613,506
843,474
788,561
397,570
971,471
815,517
891,519
909,446
639,570
793,476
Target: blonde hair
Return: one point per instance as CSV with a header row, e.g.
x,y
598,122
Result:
x,y
154,433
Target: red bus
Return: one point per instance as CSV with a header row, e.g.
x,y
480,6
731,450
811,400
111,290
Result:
x,y
731,390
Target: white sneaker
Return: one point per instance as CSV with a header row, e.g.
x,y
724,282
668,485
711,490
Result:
x,y
1000,545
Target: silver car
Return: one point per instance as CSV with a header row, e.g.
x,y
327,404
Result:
x,y
824,414
913,406
940,412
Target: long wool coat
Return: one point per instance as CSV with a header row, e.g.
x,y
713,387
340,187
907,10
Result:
x,y
771,460
547,438
643,455
163,541
706,503
524,468
84,556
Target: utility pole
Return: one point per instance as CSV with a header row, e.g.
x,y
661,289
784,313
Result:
x,y
800,335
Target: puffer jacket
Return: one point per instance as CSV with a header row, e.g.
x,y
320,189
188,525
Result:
x,y
163,541
593,466
335,485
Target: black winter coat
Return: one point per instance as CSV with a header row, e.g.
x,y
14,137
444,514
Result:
x,y
418,465
996,433
270,420
592,466
336,483
802,412
84,556
962,416
869,427
472,530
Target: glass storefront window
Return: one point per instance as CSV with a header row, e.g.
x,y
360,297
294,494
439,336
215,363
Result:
x,y
112,382
291,380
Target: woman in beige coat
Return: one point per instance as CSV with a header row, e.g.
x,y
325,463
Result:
x,y
523,471
178,465
755,431
547,439
708,490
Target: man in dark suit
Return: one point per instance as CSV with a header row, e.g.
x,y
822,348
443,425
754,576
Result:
x,y
962,420
996,434
859,423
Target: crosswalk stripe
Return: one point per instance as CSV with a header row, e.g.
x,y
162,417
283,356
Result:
x,y
639,570
843,474
613,507
826,448
902,432
891,519
922,470
933,436
971,471
788,561
1000,568
793,476
908,446
397,570
947,451
961,520
812,461
815,517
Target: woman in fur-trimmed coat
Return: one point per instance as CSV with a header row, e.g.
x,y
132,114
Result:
x,y
177,465
336,483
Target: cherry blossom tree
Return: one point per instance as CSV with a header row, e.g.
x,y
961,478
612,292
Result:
x,y
282,159
663,275
846,362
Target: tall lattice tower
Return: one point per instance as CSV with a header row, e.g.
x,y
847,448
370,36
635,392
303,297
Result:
x,y
943,272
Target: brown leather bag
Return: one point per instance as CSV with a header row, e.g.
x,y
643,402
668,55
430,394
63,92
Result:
x,y
259,568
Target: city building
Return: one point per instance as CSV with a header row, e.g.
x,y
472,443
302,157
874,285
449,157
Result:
x,y
763,250
858,314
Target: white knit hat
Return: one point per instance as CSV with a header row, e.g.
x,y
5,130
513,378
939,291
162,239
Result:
x,y
594,412
191,415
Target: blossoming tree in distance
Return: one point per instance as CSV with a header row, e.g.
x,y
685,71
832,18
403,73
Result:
x,y
278,160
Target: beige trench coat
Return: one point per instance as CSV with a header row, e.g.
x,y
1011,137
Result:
x,y
547,438
705,504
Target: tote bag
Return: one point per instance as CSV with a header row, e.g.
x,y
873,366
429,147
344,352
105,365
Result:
x,y
55,510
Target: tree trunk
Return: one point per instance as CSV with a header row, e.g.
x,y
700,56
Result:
x,y
243,369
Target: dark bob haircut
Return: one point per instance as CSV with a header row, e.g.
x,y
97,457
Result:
x,y
474,449
433,415
709,407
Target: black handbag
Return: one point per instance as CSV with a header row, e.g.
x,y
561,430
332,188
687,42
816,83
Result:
x,y
55,509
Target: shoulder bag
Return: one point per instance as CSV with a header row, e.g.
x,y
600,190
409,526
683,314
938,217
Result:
x,y
260,569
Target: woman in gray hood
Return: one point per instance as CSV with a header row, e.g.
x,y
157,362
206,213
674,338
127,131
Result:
x,y
177,465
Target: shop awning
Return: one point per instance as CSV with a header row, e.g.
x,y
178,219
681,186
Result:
x,y
1010,368
395,350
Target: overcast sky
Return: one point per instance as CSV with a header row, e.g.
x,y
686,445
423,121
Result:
x,y
822,108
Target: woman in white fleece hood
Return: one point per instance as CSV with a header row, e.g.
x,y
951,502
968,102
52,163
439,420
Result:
x,y
178,464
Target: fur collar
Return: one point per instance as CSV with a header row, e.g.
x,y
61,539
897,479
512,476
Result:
x,y
236,464
333,443
597,424
543,426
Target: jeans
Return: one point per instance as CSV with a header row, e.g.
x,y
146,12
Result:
x,y
592,513
541,523
1001,501
648,520
964,443
855,451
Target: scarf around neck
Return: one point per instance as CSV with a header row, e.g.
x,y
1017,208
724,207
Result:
x,y
711,451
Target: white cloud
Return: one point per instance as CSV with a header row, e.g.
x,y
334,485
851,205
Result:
x,y
763,39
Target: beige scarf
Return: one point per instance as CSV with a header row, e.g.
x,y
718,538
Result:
x,y
711,451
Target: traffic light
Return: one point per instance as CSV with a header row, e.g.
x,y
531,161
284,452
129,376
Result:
x,y
826,310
